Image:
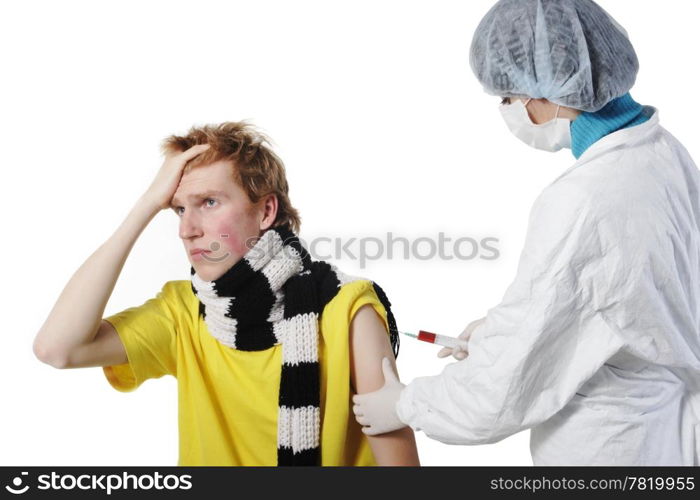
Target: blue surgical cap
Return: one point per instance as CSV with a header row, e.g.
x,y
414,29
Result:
x,y
570,52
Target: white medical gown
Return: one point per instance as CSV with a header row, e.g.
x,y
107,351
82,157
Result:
x,y
596,343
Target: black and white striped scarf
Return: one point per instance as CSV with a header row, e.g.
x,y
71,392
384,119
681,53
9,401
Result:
x,y
275,295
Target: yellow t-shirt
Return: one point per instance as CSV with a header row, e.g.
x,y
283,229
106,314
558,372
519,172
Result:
x,y
228,399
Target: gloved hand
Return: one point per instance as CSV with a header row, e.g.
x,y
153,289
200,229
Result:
x,y
461,351
376,411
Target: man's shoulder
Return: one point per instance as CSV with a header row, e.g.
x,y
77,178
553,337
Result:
x,y
351,295
350,290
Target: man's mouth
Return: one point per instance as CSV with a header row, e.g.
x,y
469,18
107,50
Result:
x,y
198,251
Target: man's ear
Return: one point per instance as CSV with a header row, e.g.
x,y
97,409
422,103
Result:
x,y
269,211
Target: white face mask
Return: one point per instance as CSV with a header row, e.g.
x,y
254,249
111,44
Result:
x,y
550,136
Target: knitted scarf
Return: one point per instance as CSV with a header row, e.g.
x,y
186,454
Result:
x,y
275,295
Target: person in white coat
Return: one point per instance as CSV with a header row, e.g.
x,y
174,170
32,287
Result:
x,y
595,346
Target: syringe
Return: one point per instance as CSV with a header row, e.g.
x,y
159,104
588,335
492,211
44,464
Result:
x,y
434,338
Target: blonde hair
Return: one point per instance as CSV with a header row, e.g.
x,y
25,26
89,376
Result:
x,y
256,168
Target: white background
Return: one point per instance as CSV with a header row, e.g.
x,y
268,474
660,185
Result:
x,y
382,126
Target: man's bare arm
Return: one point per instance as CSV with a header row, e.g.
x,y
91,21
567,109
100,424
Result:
x,y
70,333
369,343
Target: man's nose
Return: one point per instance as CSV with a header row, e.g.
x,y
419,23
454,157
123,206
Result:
x,y
190,226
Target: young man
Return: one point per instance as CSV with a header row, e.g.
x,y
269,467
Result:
x,y
267,346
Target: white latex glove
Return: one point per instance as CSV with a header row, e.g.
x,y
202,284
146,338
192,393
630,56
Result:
x,y
376,411
461,351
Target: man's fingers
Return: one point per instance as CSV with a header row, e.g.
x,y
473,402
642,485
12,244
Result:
x,y
460,355
357,410
358,399
194,151
389,375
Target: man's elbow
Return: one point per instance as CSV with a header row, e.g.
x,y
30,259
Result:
x,y
49,356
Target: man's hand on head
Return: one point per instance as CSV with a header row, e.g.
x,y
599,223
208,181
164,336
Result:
x,y
163,187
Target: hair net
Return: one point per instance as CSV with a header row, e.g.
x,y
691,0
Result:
x,y
570,52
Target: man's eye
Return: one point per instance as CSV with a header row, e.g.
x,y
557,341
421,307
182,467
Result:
x,y
210,199
177,210
505,100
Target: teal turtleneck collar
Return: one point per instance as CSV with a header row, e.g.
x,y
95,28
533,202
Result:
x,y
588,128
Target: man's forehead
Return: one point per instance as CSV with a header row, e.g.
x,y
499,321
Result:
x,y
205,180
